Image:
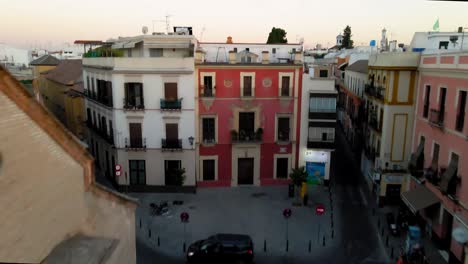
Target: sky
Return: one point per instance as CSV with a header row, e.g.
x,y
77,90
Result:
x,y
50,23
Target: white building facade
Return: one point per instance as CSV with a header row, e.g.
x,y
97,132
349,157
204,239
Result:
x,y
317,132
140,107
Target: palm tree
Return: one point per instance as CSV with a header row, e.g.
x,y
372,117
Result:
x,y
298,176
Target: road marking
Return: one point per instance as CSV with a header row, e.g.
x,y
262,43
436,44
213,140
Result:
x,y
364,200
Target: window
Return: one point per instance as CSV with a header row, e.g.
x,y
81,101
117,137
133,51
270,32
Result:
x,y
170,91
87,83
209,170
103,126
92,84
135,135
321,134
273,50
208,86
246,125
92,147
322,104
235,49
247,49
285,85
293,51
89,118
94,119
172,140
247,86
443,95
323,73
282,168
134,95
461,111
443,44
283,128
156,52
427,101
435,155
208,130
98,121
137,172
111,131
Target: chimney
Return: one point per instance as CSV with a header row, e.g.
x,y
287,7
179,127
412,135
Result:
x,y
232,57
229,40
298,57
265,57
199,56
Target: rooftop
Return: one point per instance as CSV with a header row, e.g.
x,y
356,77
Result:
x,y
45,60
359,66
67,72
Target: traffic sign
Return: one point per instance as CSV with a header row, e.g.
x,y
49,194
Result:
x,y
118,173
118,167
184,217
320,209
287,213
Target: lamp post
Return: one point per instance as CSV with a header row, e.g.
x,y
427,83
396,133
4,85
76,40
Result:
x,y
191,139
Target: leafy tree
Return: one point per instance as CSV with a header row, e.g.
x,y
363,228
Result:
x,y
277,35
347,41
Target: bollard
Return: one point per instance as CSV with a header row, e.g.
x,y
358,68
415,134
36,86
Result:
x,y
310,246
378,222
287,245
140,223
158,242
333,233
382,231
391,253
323,241
149,233
386,241
184,247
264,245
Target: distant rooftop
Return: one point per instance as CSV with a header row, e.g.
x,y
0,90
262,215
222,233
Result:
x,y
359,66
67,72
45,60
89,42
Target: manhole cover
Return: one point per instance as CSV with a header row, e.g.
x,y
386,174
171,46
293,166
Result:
x,y
256,195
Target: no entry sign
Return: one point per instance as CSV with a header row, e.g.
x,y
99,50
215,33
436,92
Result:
x,y
320,209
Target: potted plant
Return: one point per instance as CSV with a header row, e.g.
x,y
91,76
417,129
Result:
x,y
179,177
259,133
234,134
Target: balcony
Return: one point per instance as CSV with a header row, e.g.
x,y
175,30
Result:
x,y
322,114
436,118
207,91
375,91
141,64
171,104
171,144
131,104
246,136
375,125
135,144
313,143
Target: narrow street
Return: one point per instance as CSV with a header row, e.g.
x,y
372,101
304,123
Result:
x,y
360,240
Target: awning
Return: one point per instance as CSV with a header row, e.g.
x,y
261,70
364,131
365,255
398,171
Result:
x,y
449,174
168,45
125,45
419,198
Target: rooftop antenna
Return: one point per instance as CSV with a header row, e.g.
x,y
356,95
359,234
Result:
x,y
165,21
201,33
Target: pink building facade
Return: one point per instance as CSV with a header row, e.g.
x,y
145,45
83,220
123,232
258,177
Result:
x,y
440,147
247,117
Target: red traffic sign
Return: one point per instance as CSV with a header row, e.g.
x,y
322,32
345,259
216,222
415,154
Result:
x,y
118,167
118,173
184,217
287,213
320,209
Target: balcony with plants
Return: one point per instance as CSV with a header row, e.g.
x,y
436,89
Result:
x,y
134,103
245,136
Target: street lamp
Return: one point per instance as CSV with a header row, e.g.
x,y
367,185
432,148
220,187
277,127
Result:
x,y
190,139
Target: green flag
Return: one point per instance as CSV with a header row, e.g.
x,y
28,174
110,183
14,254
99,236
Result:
x,y
436,25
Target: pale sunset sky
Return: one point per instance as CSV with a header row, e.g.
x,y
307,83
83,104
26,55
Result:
x,y
30,23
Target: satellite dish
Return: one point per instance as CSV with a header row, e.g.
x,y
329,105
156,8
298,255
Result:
x,y
144,30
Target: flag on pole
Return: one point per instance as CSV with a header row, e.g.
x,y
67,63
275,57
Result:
x,y
436,25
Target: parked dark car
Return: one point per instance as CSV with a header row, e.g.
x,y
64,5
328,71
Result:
x,y
222,248
392,225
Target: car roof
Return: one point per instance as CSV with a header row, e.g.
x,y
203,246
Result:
x,y
232,237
